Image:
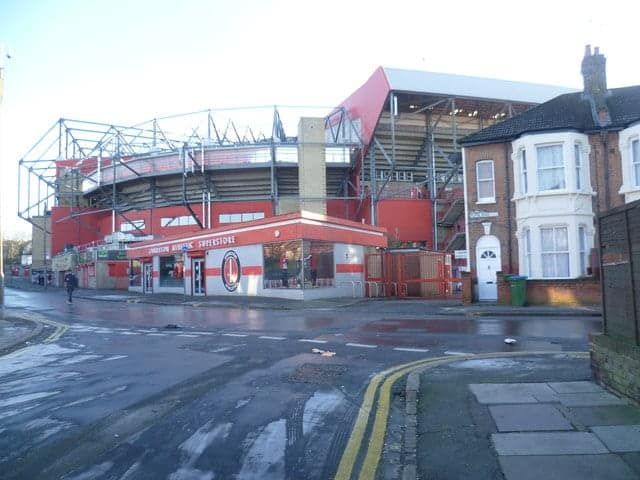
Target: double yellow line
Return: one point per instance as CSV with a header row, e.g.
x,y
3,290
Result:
x,y
378,431
60,328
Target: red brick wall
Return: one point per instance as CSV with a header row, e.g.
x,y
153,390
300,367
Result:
x,y
580,291
504,225
605,171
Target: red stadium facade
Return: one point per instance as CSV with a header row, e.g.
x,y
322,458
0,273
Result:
x,y
387,157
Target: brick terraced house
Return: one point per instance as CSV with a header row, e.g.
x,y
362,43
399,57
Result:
x,y
535,183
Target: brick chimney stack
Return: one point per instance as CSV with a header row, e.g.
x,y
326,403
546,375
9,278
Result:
x,y
594,72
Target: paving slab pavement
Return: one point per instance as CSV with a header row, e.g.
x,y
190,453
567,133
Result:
x,y
567,467
517,418
553,422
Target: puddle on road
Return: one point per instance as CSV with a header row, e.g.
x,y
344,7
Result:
x,y
486,364
318,407
532,327
265,458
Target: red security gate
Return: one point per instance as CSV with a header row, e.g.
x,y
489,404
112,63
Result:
x,y
411,274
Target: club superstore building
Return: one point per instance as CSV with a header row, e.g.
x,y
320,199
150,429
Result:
x,y
298,256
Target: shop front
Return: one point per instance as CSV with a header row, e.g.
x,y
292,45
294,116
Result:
x,y
297,256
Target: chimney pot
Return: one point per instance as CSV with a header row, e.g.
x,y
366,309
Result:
x,y
594,72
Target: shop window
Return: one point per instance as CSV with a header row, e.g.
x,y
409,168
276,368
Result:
x,y
317,265
298,264
171,271
282,264
135,273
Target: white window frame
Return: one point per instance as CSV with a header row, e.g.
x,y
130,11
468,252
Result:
x,y
179,221
555,252
491,199
526,240
556,167
131,226
577,158
634,158
239,217
524,180
582,249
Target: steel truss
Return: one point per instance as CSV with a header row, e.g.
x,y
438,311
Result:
x,y
74,156
438,158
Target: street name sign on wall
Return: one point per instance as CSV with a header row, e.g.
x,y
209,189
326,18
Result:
x,y
481,215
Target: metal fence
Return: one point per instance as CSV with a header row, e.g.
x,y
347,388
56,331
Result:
x,y
620,266
411,274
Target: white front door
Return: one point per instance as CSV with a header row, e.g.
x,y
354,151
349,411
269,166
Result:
x,y
488,260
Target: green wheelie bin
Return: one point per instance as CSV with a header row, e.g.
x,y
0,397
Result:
x,y
518,284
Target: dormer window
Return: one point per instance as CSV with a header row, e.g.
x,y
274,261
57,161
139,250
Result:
x,y
550,168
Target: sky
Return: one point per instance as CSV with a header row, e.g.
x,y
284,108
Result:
x,y
124,61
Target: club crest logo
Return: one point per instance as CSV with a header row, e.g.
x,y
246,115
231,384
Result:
x,y
231,270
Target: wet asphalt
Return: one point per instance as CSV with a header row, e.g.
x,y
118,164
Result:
x,y
230,393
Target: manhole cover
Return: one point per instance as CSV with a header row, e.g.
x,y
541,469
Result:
x,y
319,374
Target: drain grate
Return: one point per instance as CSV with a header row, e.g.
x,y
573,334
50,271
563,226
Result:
x,y
317,374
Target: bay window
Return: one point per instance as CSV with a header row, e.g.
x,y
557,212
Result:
x,y
578,162
523,171
550,168
555,252
527,252
582,243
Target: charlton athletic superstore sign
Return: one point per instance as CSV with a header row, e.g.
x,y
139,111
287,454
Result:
x,y
191,245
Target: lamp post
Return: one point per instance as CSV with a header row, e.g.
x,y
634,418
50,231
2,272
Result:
x,y
3,57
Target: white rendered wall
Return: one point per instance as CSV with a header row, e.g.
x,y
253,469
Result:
x,y
630,191
248,256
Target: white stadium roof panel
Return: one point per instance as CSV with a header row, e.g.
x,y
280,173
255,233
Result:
x,y
471,87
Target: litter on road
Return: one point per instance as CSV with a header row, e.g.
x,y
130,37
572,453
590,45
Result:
x,y
323,353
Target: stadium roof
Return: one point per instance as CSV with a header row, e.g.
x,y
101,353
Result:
x,y
415,81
